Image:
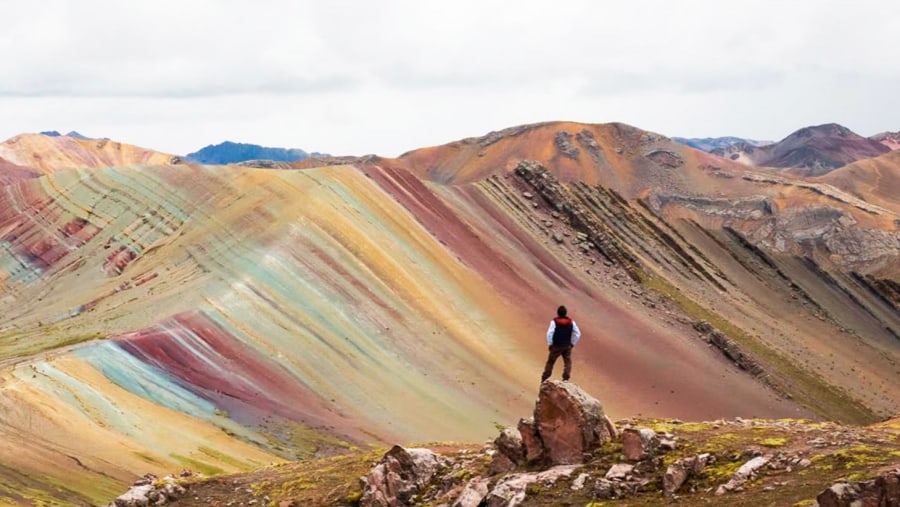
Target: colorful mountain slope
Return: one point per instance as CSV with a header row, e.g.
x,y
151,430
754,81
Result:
x,y
47,154
876,180
810,151
311,307
11,173
218,318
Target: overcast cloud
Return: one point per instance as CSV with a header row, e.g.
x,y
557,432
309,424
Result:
x,y
385,77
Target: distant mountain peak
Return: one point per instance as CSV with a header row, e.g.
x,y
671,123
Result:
x,y
73,134
809,151
708,144
230,152
826,129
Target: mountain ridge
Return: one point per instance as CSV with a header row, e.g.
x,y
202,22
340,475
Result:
x,y
228,152
709,144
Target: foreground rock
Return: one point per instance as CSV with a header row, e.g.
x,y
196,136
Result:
x,y
639,443
680,471
569,423
399,476
151,490
882,491
746,472
511,490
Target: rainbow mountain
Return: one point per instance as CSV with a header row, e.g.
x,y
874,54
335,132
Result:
x,y
158,314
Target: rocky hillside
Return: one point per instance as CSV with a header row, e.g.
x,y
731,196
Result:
x,y
889,139
810,151
569,453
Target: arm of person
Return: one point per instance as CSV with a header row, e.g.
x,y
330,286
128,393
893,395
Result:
x,y
550,331
576,333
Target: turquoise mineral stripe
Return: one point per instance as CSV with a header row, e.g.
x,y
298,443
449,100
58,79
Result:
x,y
144,380
86,399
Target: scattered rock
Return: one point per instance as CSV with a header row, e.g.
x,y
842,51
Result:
x,y
399,476
473,494
639,443
511,490
680,471
578,483
667,444
619,472
744,473
605,489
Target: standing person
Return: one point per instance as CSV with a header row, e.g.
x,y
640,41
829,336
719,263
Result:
x,y
562,335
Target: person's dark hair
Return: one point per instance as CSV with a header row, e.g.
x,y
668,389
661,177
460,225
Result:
x,y
561,311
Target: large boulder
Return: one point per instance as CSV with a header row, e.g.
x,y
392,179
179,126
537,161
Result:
x,y
399,476
569,422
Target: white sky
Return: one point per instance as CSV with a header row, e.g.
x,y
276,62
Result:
x,y
388,76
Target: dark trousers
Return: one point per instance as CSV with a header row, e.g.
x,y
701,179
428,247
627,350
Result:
x,y
555,351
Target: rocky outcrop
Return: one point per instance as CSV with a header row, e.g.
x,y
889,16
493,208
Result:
x,y
563,142
883,490
735,353
151,490
569,422
399,476
464,479
666,158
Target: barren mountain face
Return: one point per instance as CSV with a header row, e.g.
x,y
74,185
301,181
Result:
x,y
158,315
811,151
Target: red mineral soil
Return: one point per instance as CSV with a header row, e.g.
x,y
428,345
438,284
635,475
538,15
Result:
x,y
11,173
